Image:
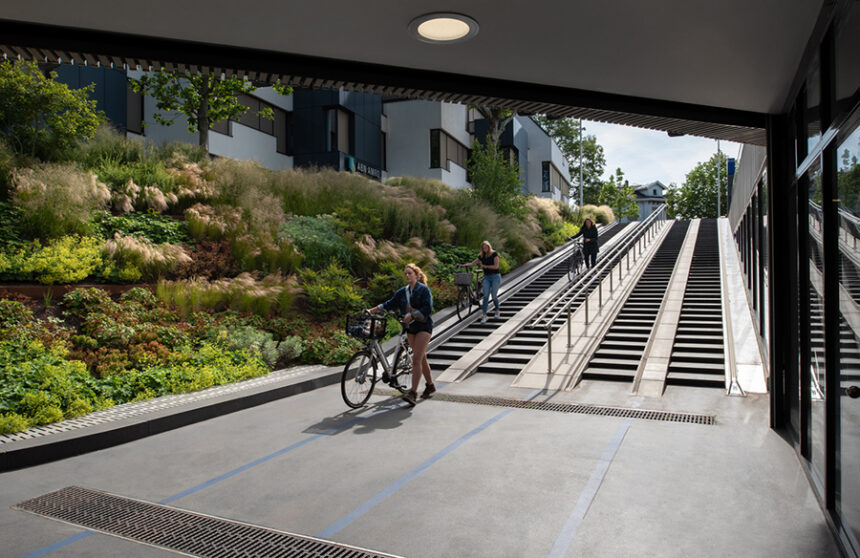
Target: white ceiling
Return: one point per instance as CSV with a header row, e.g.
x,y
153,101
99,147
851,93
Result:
x,y
737,54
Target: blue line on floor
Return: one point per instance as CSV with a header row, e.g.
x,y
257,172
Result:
x,y
571,526
58,545
329,531
332,529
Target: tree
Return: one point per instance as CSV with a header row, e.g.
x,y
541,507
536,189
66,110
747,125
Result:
x,y
203,99
41,116
848,180
497,118
495,179
620,196
697,197
566,132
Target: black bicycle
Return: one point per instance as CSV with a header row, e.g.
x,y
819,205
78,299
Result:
x,y
471,291
576,262
369,364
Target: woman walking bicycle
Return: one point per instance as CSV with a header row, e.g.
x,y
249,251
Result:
x,y
415,303
489,262
589,242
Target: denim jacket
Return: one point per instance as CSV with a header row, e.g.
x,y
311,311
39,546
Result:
x,y
420,302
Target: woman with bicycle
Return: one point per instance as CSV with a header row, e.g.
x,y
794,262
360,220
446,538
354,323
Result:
x,y
415,304
588,232
489,262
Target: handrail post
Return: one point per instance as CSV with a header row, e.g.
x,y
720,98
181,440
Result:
x,y
549,348
568,325
586,306
599,295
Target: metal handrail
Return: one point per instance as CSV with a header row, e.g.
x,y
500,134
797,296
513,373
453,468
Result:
x,y
615,255
610,257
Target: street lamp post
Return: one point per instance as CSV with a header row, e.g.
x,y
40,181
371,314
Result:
x,y
580,162
719,188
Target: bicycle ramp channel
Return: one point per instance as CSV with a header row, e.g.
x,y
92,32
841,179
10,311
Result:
x,y
456,341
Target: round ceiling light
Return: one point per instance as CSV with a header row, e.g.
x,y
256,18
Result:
x,y
443,28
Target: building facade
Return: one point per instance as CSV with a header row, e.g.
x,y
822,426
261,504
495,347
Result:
x,y
649,197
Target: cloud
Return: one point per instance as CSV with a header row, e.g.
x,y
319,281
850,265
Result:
x,y
646,155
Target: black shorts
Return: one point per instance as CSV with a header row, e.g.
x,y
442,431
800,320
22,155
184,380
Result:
x,y
416,327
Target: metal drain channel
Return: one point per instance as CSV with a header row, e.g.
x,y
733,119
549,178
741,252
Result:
x,y
189,533
581,409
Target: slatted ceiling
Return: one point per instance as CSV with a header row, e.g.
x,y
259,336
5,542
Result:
x,y
741,134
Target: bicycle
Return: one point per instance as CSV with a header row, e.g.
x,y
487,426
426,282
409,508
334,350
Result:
x,y
471,291
362,370
576,263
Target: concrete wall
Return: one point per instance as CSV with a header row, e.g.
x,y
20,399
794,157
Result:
x,y
409,125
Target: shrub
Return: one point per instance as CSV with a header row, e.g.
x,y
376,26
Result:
x,y
66,260
138,253
153,227
82,302
107,144
371,254
12,422
14,314
496,180
41,116
57,199
330,290
318,240
272,294
259,343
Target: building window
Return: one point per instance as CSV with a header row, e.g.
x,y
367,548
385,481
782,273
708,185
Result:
x,y
338,131
384,151
444,149
552,180
133,111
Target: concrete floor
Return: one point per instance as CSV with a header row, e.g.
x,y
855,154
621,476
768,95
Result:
x,y
453,479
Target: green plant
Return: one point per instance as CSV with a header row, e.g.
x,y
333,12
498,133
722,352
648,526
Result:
x,y
330,290
66,260
41,116
56,199
318,240
138,253
496,179
259,343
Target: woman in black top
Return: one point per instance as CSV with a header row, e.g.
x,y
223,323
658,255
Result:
x,y
414,302
589,242
489,262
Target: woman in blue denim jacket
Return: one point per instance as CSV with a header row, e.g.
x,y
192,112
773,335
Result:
x,y
414,302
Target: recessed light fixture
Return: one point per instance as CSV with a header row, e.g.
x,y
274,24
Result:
x,y
443,28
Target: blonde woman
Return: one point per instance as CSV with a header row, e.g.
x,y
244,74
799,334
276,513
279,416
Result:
x,y
414,302
489,262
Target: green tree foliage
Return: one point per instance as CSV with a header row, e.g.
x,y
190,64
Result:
x,y
497,119
849,182
697,197
495,179
203,99
42,117
620,196
566,133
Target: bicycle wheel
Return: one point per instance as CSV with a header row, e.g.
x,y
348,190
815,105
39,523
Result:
x,y
571,268
463,303
403,368
359,377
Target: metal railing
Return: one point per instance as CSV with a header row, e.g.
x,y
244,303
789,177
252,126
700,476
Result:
x,y
562,303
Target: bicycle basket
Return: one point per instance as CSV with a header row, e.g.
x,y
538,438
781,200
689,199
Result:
x,y
463,278
362,326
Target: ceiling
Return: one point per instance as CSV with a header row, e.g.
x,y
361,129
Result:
x,y
663,64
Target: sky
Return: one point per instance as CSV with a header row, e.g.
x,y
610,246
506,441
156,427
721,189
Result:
x,y
646,155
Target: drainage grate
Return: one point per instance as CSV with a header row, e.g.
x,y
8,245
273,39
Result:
x,y
178,530
567,407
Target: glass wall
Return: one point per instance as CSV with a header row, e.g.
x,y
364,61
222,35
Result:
x,y
817,361
848,183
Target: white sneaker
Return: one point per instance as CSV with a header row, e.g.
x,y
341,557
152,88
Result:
x,y
484,319
498,314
